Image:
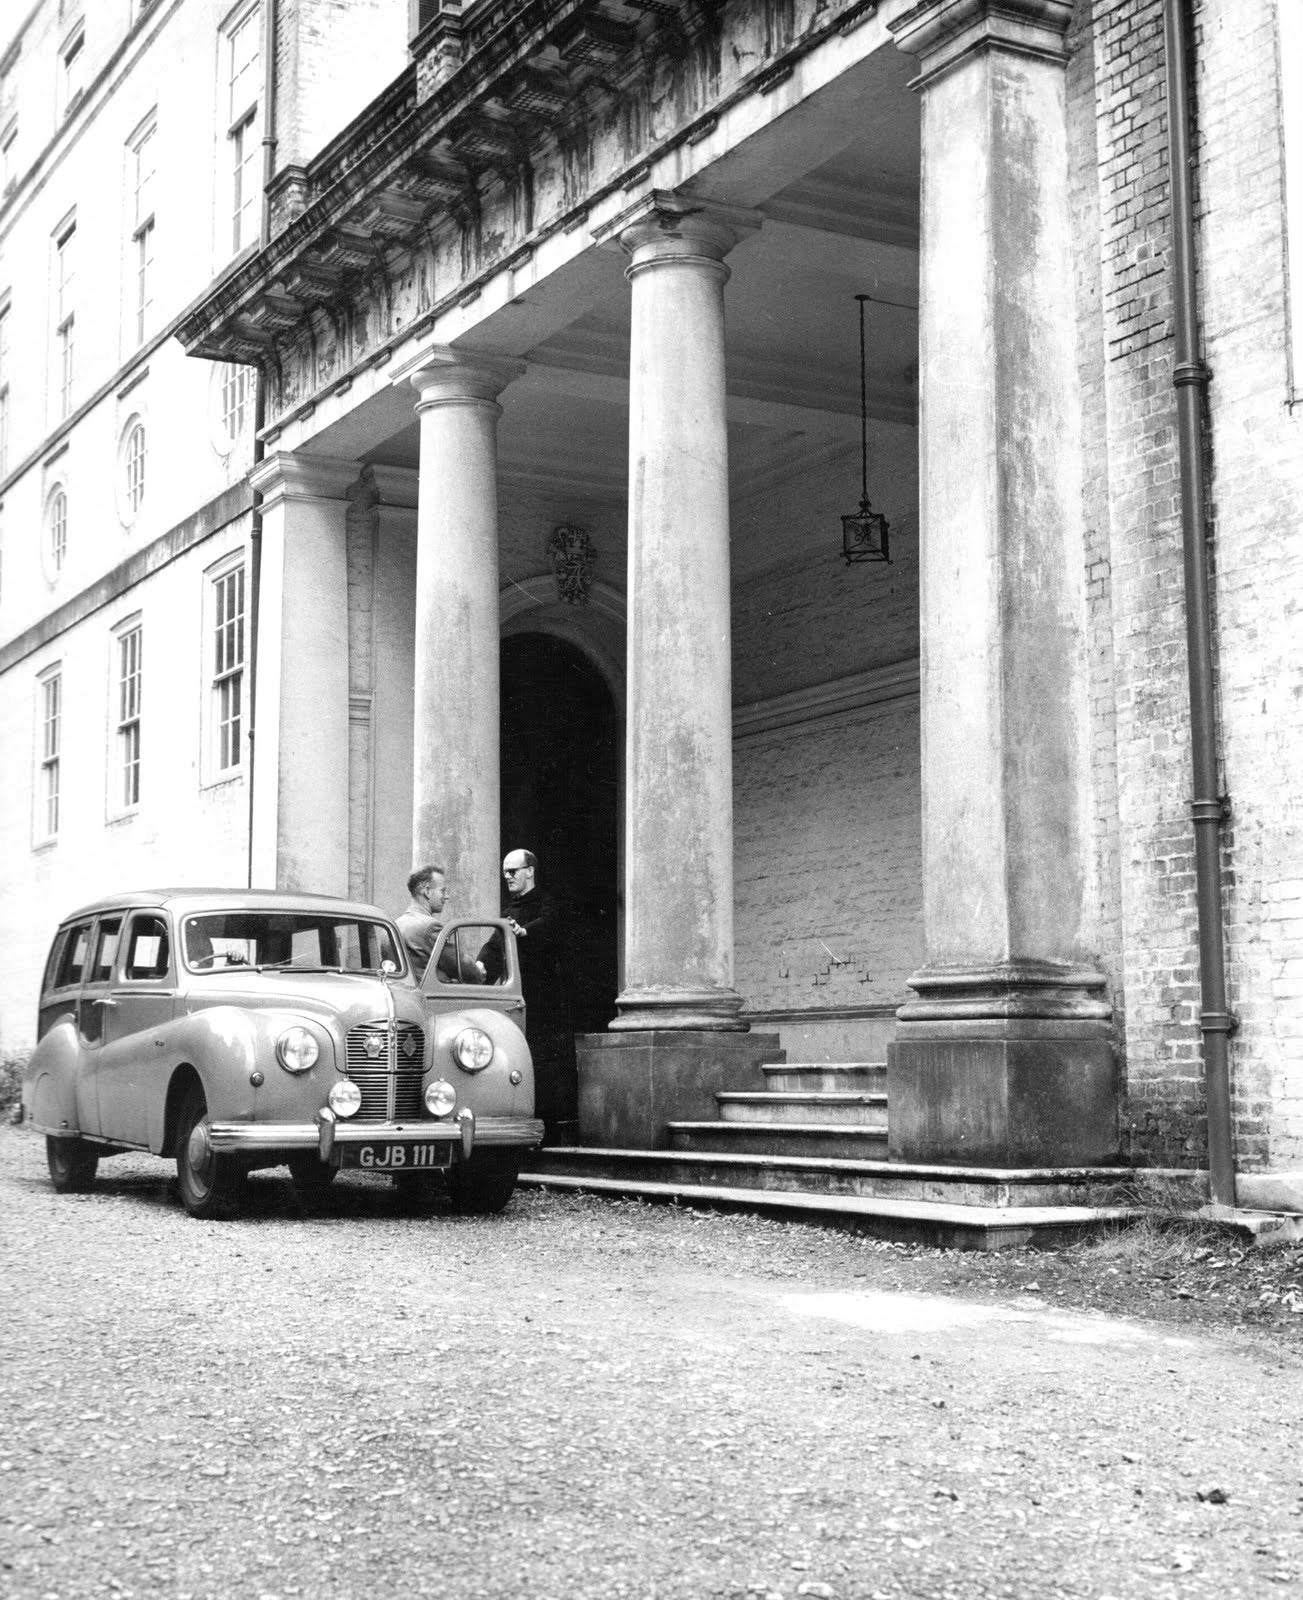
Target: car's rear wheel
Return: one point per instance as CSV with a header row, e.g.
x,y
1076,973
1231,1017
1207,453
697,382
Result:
x,y
311,1175
72,1164
211,1185
483,1185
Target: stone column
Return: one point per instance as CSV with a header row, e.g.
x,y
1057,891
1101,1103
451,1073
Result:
x,y
456,784
300,772
1004,1058
678,1036
679,746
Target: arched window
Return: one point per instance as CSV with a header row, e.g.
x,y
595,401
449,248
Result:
x,y
133,467
56,525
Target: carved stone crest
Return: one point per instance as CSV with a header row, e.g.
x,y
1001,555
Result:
x,y
573,559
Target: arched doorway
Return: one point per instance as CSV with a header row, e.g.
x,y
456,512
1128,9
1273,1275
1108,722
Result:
x,y
559,763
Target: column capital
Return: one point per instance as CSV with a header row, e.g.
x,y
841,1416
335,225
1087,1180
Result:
x,y
665,226
295,475
942,33
444,376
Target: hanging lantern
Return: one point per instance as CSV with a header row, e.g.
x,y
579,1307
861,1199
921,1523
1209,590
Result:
x,y
864,532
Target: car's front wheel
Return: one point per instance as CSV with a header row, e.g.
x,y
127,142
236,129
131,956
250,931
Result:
x,y
72,1164
211,1185
483,1185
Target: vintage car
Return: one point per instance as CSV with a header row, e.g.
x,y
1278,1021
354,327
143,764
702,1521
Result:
x,y
237,1028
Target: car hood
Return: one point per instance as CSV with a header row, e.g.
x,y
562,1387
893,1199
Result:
x,y
344,997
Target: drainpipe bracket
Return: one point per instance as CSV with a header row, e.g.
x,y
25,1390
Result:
x,y
1191,372
1217,810
1218,1021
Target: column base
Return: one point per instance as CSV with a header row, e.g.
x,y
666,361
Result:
x,y
632,1084
712,1009
1006,1067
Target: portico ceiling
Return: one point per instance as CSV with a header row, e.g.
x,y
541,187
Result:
x,y
846,225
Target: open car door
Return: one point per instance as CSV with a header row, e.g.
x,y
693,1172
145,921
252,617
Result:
x,y
475,964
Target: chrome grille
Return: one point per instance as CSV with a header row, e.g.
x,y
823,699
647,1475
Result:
x,y
386,1062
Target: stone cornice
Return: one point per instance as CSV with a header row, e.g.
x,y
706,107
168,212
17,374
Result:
x,y
414,176
843,696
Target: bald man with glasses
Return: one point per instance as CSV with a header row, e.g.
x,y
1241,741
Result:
x,y
536,921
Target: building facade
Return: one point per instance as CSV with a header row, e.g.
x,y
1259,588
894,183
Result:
x,y
554,315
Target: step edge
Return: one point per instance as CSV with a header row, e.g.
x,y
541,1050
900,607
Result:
x,y
999,1217
913,1168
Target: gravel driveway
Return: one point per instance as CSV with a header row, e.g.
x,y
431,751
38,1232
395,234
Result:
x,y
584,1400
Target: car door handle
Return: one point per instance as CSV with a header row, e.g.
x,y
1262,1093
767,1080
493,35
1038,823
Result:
x,y
103,1000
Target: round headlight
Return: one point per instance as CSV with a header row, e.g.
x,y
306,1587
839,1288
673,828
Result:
x,y
297,1050
473,1049
345,1098
440,1097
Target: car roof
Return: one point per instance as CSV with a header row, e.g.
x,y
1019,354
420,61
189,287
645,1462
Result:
x,y
209,899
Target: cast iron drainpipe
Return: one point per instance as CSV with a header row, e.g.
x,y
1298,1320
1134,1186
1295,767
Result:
x,y
260,400
1207,808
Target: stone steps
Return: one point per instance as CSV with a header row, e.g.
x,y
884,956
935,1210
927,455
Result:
x,y
807,1108
859,1142
813,1143
862,1179
825,1077
834,1108
652,1175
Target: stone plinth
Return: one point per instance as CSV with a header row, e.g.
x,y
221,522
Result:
x,y
632,1084
1012,1066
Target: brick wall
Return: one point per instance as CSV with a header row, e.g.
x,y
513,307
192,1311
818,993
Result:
x,y
827,810
1157,963
829,861
1256,488
1135,567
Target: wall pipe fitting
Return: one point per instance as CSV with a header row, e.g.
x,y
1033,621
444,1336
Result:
x,y
1190,379
260,404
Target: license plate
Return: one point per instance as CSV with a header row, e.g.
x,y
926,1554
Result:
x,y
396,1157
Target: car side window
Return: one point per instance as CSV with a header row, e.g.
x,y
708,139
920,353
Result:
x,y
106,948
72,964
472,954
148,950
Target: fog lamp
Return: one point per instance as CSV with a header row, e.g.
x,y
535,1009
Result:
x,y
345,1098
440,1097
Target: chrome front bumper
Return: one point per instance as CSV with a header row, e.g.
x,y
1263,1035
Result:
x,y
328,1132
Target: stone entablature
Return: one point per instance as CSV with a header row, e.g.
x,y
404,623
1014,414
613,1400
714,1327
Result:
x,y
550,108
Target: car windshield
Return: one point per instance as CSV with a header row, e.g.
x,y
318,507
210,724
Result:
x,y
298,941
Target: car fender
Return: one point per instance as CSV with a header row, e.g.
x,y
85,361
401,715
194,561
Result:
x,y
227,1047
490,1092
50,1081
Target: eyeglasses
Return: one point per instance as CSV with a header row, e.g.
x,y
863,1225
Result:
x,y
513,872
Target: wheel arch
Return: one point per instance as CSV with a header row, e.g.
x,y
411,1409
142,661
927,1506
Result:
x,y
185,1076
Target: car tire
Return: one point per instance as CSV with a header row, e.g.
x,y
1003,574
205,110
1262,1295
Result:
x,y
482,1186
72,1164
211,1185
311,1176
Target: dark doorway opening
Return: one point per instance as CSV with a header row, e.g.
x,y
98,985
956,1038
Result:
x,y
559,756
